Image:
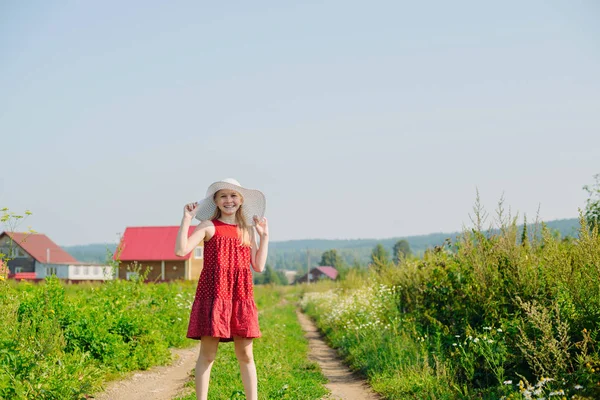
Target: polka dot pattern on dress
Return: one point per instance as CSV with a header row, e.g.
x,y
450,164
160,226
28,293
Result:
x,y
224,305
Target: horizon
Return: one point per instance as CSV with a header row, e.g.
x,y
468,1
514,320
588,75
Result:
x,y
348,239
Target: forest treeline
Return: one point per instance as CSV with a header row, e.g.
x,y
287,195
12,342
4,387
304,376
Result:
x,y
297,254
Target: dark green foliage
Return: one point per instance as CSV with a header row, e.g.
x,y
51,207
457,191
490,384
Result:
x,y
401,250
332,258
524,234
270,276
379,255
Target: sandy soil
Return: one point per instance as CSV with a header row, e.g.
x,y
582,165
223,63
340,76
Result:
x,y
342,382
158,383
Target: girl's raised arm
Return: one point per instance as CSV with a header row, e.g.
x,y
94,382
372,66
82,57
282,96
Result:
x,y
260,252
184,244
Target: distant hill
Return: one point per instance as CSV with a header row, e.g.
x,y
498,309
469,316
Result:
x,y
295,254
96,253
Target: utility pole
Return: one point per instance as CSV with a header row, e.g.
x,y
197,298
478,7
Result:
x,y
307,266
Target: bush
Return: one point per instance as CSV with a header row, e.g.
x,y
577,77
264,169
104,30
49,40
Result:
x,y
481,317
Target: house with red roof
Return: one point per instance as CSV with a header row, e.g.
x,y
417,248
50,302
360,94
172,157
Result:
x,y
35,256
317,273
151,249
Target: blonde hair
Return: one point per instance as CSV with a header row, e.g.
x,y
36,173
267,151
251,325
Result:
x,y
242,227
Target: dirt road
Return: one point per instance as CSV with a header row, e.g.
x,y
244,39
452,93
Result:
x,y
342,382
158,383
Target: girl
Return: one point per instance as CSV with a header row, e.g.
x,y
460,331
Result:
x,y
224,309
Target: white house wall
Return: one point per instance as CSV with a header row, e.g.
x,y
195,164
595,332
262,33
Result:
x,y
90,272
76,272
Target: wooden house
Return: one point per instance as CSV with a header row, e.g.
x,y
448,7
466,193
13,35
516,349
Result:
x,y
151,249
33,256
317,273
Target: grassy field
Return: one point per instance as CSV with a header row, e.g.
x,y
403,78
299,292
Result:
x,y
283,369
64,341
491,316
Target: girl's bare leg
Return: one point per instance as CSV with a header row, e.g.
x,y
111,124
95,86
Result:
x,y
243,352
208,352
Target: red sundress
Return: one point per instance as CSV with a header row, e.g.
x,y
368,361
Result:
x,y
224,305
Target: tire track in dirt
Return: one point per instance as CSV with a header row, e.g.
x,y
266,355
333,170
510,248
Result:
x,y
343,383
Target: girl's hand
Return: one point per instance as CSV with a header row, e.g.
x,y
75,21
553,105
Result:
x,y
261,226
190,210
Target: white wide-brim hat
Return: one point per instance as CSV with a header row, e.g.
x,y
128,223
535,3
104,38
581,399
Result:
x,y
254,201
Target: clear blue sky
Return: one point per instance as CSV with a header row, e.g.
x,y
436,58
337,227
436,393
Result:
x,y
357,119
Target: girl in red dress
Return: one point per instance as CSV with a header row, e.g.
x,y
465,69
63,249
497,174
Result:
x,y
224,309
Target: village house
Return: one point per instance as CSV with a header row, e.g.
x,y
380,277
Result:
x,y
151,250
317,273
33,256
290,276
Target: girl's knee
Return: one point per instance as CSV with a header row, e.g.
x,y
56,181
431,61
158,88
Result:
x,y
243,350
244,356
208,350
207,357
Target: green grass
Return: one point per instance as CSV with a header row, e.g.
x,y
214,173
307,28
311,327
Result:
x,y
283,368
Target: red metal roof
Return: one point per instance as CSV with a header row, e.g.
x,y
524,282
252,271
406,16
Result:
x,y
39,246
329,271
150,243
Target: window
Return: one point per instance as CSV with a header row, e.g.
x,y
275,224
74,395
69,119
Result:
x,y
12,250
18,270
96,270
199,252
75,270
50,271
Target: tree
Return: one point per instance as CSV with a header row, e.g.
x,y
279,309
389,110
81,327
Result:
x,y
592,204
401,250
271,276
331,258
283,280
258,278
524,234
379,254
334,259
